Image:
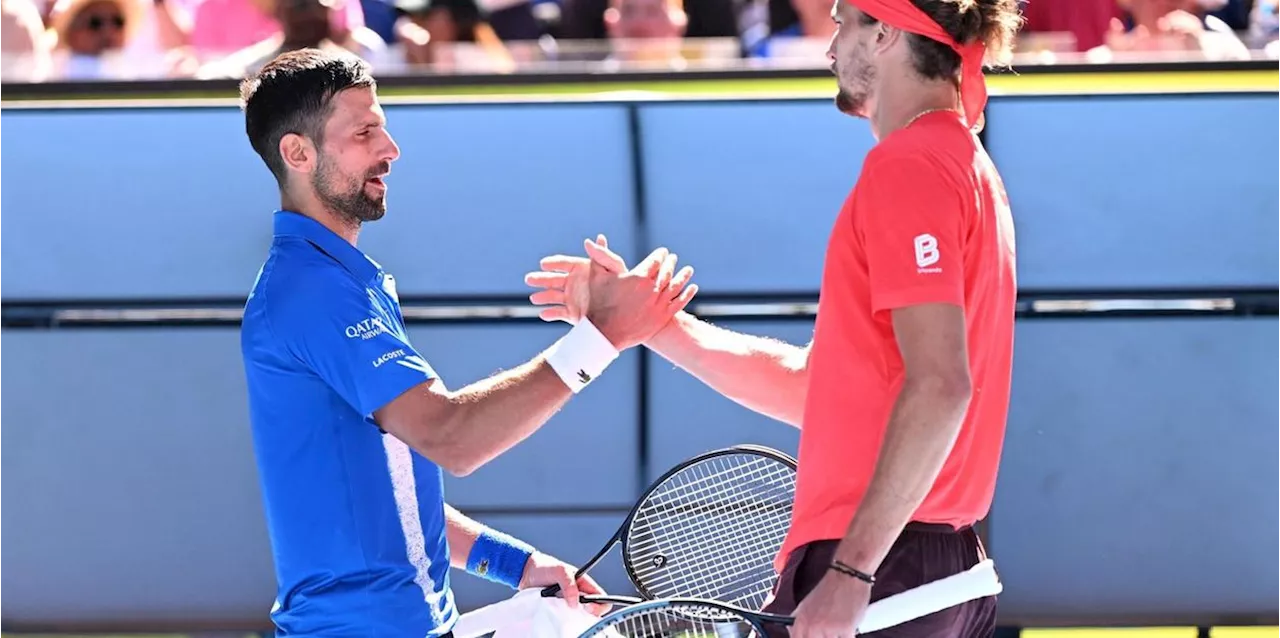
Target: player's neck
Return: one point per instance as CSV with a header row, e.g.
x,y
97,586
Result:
x,y
339,224
899,104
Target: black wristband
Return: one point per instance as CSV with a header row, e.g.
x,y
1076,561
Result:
x,y
849,571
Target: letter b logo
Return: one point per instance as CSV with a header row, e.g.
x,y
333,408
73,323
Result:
x,y
926,250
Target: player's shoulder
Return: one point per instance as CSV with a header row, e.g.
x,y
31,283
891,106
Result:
x,y
928,141
911,144
299,281
897,159
941,155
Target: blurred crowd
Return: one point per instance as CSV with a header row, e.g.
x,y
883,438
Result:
x,y
76,40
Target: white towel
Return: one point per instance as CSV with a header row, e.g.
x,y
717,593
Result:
x,y
525,615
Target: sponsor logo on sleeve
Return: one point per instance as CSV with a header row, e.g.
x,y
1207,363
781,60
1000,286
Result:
x,y
927,254
390,356
367,329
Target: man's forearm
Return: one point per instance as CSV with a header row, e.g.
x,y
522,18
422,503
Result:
x,y
491,416
498,557
461,533
922,430
763,374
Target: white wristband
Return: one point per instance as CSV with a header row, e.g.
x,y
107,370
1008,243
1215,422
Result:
x,y
580,356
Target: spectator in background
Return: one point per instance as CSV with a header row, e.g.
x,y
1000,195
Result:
x,y
1171,26
164,31
808,18
1264,27
460,36
654,33
646,32
24,51
474,20
304,24
1087,21
659,20
511,20
89,37
223,27
584,19
799,30
381,18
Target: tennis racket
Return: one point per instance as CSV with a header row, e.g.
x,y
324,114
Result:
x,y
709,528
694,618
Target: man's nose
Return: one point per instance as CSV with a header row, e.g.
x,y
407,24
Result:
x,y
393,151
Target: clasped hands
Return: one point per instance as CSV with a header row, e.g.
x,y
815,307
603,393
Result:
x,y
628,306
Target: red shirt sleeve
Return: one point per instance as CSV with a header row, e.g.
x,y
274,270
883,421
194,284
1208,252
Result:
x,y
911,220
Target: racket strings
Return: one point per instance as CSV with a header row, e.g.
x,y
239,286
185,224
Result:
x,y
718,524
746,584
676,620
731,525
741,508
745,548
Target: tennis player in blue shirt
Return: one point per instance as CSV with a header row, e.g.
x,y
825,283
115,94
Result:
x,y
351,426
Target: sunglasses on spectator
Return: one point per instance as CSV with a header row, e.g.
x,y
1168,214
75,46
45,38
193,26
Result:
x,y
99,22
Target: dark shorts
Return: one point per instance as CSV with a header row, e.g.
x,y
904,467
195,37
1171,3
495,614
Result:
x,y
922,554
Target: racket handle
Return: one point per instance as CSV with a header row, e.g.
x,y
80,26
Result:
x,y
610,600
551,590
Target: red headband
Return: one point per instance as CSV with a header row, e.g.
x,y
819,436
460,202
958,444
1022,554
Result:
x,y
908,17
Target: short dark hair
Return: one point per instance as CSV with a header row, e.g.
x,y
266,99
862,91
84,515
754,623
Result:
x,y
293,94
993,22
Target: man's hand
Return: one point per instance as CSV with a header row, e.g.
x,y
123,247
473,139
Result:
x,y
563,280
542,571
833,609
628,306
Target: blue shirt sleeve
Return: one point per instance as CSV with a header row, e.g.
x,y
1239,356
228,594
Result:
x,y
349,337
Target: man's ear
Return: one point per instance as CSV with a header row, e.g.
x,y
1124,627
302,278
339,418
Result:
x,y
298,152
886,36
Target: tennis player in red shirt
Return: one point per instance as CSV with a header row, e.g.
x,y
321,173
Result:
x,y
901,397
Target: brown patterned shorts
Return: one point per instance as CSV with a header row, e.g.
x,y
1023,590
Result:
x,y
922,554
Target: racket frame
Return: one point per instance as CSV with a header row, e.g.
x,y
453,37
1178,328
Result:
x,y
757,619
620,536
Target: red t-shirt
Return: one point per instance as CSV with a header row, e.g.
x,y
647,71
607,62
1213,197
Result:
x,y
1087,20
927,222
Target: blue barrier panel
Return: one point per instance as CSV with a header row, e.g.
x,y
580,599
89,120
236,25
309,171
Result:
x,y
746,192
130,489
1136,477
686,417
133,448
132,203
478,196
1121,192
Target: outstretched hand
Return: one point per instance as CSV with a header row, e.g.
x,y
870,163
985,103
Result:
x,y
565,282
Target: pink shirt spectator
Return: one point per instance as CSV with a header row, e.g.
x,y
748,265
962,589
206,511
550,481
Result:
x,y
222,27
1088,20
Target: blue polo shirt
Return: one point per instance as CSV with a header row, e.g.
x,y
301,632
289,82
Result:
x,y
356,518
